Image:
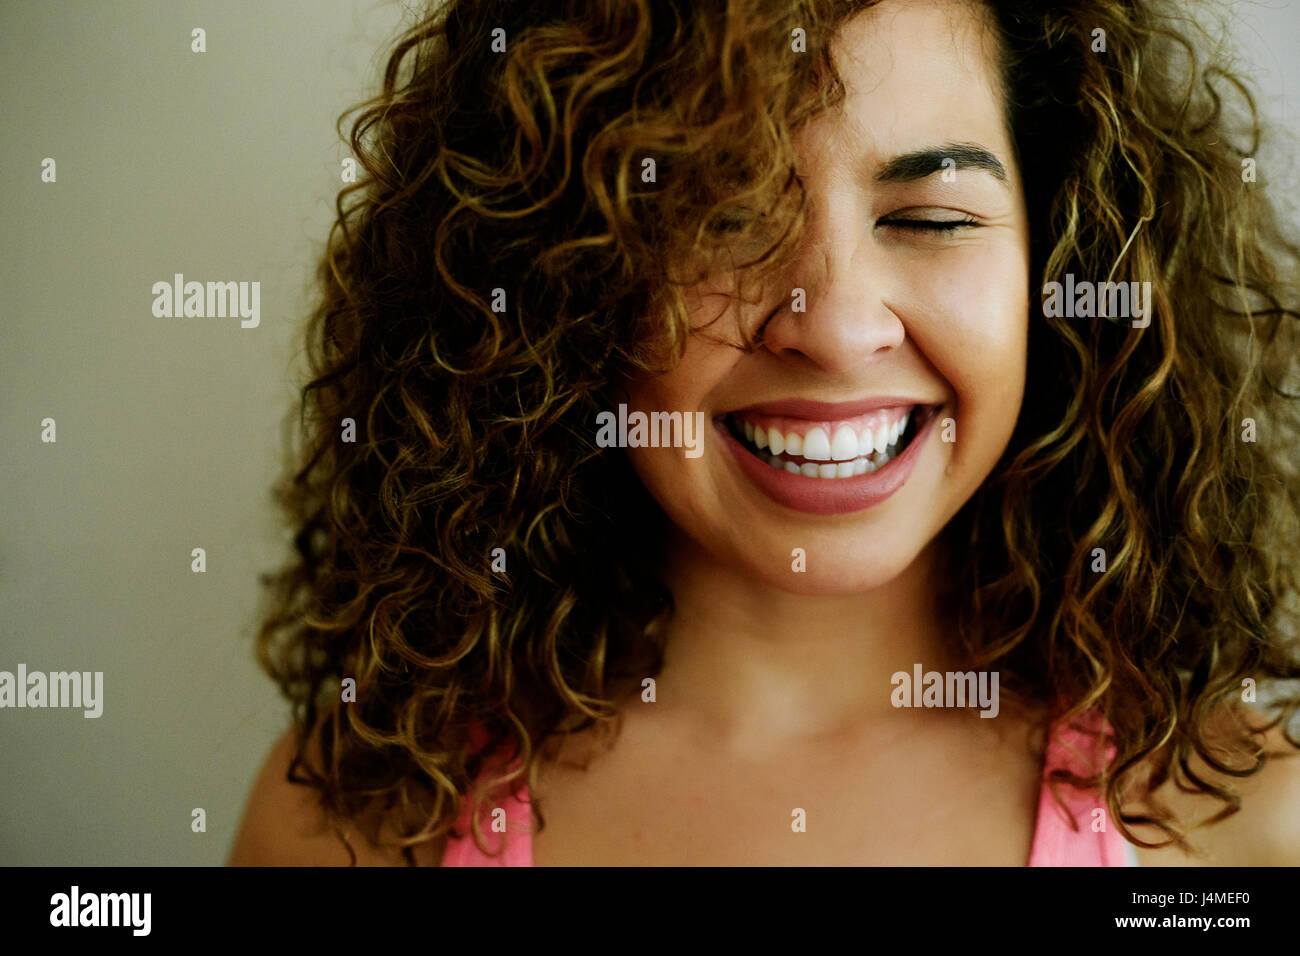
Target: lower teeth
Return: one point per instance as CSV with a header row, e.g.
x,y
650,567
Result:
x,y
829,469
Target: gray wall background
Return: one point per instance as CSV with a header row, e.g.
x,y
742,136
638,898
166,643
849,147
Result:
x,y
223,166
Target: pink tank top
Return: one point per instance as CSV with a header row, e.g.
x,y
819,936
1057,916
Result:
x,y
1095,842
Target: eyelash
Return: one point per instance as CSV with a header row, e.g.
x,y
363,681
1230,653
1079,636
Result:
x,y
930,225
730,224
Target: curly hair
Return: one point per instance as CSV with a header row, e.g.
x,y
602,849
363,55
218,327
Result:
x,y
476,565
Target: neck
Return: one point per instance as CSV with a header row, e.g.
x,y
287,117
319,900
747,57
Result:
x,y
764,668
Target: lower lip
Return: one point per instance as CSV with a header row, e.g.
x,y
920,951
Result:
x,y
829,496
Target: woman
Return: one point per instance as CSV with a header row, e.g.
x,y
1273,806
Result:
x,y
904,555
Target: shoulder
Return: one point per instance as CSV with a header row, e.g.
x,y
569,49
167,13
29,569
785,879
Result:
x,y
1265,831
284,824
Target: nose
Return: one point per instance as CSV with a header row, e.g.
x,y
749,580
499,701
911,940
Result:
x,y
846,323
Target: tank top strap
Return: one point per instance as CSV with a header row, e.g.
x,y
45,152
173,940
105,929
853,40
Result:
x,y
507,820
1081,834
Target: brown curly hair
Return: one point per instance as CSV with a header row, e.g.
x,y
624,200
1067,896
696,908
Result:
x,y
502,263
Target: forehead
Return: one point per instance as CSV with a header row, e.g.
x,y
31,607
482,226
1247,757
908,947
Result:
x,y
914,71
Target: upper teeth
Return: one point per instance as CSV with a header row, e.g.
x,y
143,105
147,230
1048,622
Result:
x,y
816,445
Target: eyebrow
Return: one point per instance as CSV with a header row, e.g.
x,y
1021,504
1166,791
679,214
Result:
x,y
925,162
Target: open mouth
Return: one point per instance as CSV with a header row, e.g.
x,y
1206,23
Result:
x,y
830,450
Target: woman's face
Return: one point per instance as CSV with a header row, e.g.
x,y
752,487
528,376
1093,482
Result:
x,y
903,374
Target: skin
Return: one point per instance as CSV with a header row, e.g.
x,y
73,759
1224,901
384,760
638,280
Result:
x,y
773,675
766,655
776,687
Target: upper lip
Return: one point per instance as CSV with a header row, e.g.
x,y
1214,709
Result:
x,y
828,411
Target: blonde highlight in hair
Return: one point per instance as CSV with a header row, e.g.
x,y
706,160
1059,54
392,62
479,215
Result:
x,y
522,171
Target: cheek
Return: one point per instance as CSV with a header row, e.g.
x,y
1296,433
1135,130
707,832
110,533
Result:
x,y
667,472
684,388
972,326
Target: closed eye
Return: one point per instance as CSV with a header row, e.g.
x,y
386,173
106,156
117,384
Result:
x,y
936,225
